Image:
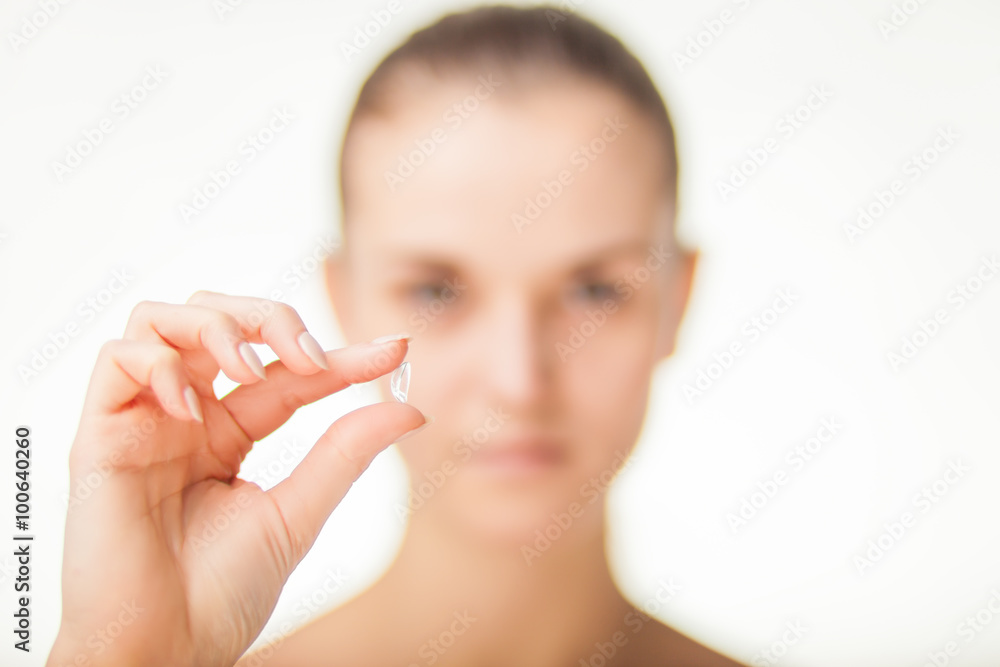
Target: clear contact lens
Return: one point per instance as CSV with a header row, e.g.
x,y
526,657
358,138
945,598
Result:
x,y
399,383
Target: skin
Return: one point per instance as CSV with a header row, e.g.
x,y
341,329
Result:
x,y
141,564
493,345
146,581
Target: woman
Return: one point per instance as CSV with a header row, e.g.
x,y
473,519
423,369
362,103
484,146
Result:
x,y
508,180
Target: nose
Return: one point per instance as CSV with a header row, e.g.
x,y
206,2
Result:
x,y
517,365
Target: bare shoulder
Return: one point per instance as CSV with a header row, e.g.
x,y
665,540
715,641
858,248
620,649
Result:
x,y
348,628
659,644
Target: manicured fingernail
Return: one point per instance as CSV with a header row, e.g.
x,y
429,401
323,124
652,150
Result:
x,y
252,360
394,337
191,398
399,383
428,422
313,350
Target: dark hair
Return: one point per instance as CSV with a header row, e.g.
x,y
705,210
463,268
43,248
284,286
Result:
x,y
513,39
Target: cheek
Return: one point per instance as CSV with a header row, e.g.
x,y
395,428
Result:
x,y
607,385
609,397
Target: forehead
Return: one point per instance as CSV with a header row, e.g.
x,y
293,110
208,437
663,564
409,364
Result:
x,y
517,176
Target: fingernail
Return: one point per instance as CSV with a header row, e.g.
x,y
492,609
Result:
x,y
429,421
399,383
252,360
191,398
394,337
312,348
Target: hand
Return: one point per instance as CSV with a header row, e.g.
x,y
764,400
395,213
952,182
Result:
x,y
171,559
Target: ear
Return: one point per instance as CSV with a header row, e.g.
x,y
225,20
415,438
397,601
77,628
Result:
x,y
335,268
676,296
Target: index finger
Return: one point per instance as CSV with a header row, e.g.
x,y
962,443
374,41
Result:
x,y
261,408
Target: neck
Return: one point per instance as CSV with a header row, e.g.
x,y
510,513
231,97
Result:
x,y
532,606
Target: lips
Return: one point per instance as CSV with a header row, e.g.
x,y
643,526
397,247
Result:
x,y
520,456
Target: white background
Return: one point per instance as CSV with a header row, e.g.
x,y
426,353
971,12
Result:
x,y
61,242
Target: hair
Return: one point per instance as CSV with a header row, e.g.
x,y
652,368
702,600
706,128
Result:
x,y
512,40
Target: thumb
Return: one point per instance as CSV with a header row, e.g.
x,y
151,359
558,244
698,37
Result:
x,y
307,497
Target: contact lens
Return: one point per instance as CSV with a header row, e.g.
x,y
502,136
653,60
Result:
x,y
399,383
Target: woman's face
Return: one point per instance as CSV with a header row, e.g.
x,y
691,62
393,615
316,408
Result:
x,y
529,252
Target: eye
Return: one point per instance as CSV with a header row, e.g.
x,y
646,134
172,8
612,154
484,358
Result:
x,y
432,291
426,291
593,292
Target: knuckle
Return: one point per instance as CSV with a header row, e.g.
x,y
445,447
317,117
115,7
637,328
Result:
x,y
353,464
284,310
336,440
142,312
267,313
222,324
289,548
109,348
291,400
166,356
199,297
286,544
144,306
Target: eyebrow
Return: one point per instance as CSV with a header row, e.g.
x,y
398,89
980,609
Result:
x,y
432,262
593,261
423,261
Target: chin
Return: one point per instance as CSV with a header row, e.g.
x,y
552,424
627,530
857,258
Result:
x,y
533,492
536,516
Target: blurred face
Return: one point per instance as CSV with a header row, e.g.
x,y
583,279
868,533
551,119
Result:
x,y
530,255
